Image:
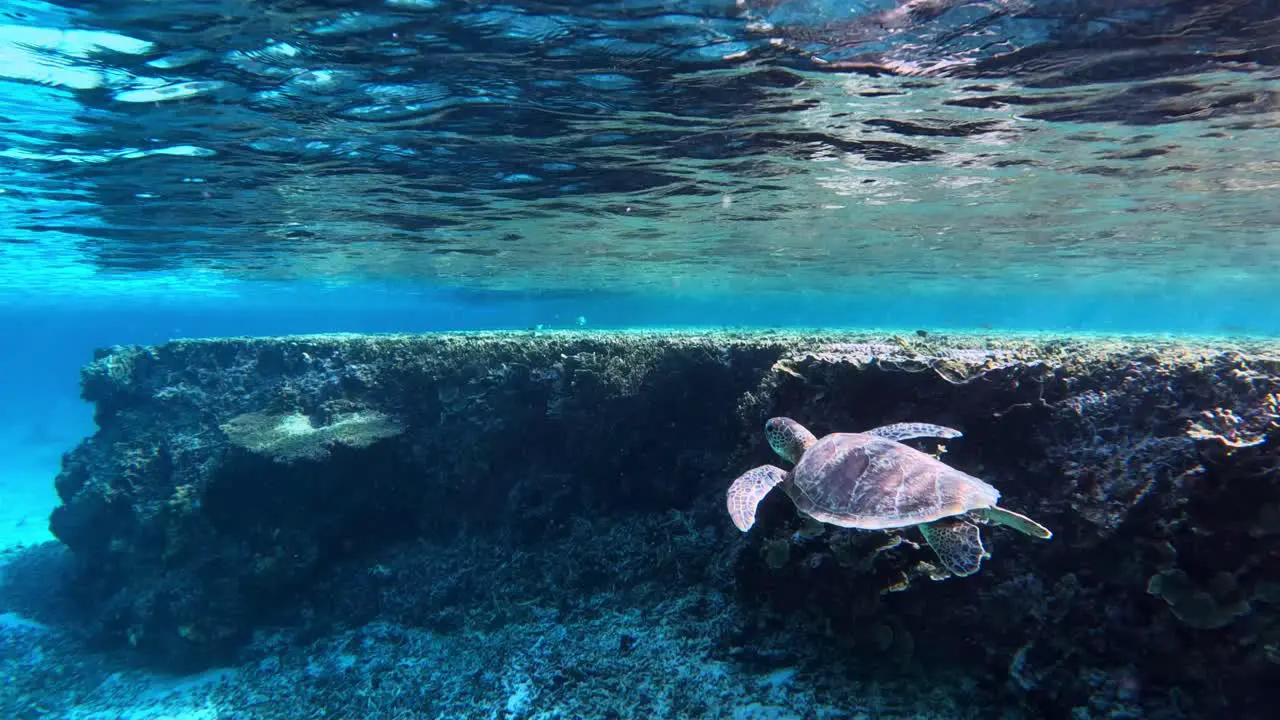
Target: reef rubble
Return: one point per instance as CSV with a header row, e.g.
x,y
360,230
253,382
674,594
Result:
x,y
435,486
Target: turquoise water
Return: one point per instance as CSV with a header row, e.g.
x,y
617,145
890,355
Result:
x,y
190,169
1106,167
185,169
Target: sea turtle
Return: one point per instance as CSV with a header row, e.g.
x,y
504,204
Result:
x,y
870,480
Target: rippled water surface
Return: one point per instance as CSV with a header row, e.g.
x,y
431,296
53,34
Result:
x,y
937,145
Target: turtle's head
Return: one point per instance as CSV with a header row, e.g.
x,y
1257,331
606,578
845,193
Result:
x,y
788,438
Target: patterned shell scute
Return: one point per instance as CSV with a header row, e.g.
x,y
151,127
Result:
x,y
863,481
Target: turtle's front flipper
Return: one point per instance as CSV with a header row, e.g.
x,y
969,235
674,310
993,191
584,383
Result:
x,y
746,492
906,431
957,543
1021,523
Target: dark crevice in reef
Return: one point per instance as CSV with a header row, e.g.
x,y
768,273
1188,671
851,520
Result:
x,y
474,482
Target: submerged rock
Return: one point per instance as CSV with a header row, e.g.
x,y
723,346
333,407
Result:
x,y
464,482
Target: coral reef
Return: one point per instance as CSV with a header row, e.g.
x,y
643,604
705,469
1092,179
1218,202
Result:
x,y
554,490
289,437
1205,609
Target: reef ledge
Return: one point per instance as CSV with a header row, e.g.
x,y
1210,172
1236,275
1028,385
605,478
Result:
x,y
465,481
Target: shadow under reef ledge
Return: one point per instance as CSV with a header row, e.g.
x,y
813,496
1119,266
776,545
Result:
x,y
466,482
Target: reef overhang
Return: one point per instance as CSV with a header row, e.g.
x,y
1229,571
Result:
x,y
230,479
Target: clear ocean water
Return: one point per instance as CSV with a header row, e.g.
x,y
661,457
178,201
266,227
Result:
x,y
201,168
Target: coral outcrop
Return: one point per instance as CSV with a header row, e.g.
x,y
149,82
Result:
x,y
322,482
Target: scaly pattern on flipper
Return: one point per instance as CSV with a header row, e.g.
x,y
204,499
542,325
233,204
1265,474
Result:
x,y
908,430
746,492
1009,518
957,543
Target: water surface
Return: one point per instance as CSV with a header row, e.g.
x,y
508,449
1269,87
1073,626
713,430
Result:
x,y
938,150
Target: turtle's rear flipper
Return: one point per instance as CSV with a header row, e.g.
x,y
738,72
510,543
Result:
x,y
1008,518
908,430
746,492
957,543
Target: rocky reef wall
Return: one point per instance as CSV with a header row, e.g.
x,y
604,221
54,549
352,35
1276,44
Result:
x,y
447,481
